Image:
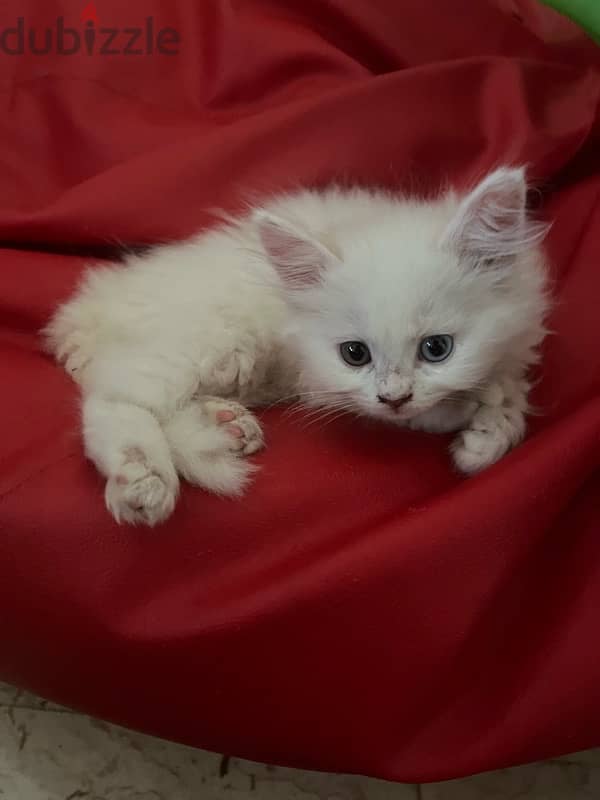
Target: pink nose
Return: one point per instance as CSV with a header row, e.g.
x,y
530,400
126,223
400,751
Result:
x,y
395,402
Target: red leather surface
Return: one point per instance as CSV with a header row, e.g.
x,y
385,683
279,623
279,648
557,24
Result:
x,y
363,609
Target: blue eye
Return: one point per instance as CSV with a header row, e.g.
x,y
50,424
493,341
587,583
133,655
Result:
x,y
437,348
355,354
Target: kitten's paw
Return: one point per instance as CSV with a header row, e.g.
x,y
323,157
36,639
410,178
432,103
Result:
x,y
493,431
140,495
208,439
230,374
243,429
72,349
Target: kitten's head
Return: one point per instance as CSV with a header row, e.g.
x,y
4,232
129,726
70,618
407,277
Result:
x,y
398,305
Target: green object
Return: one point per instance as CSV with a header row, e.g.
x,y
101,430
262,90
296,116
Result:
x,y
585,13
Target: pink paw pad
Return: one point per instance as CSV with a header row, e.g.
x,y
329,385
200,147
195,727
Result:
x,y
236,431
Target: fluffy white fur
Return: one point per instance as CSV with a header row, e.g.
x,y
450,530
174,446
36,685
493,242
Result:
x,y
171,348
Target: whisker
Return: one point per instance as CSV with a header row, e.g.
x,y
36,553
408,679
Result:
x,y
298,396
326,423
294,411
309,413
327,417
319,413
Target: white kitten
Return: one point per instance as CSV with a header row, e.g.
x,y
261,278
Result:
x,y
425,314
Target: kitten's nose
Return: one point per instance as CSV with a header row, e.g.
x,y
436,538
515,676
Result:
x,y
395,402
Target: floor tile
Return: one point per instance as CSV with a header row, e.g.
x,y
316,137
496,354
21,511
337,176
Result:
x,y
17,698
546,781
48,755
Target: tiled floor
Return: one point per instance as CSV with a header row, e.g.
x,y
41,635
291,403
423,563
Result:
x,y
49,753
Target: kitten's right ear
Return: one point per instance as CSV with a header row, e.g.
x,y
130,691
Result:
x,y
299,259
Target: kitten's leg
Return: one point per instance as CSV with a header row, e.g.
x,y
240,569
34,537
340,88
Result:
x,y
208,439
445,417
128,446
130,395
496,426
128,392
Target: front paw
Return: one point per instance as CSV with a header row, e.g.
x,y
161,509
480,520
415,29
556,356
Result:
x,y
228,375
245,435
208,439
490,435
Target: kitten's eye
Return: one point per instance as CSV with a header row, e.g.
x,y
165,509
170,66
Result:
x,y
355,354
436,348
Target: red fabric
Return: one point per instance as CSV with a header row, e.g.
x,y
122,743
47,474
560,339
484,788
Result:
x,y
363,609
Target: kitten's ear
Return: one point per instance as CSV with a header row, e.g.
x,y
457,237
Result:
x,y
299,259
491,226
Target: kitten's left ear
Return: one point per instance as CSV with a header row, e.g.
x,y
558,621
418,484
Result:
x,y
491,226
299,259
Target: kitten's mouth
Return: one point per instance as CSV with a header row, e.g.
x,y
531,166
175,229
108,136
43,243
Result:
x,y
406,413
402,414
